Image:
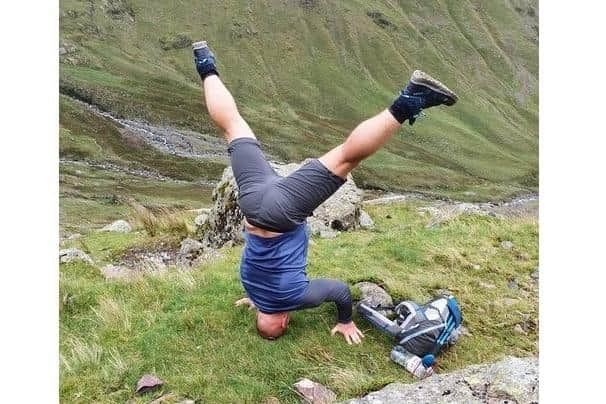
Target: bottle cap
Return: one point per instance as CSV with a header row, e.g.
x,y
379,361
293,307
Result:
x,y
429,360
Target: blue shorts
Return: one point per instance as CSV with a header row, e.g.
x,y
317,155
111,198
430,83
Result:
x,y
273,202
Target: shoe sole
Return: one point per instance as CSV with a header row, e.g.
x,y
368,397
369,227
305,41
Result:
x,y
199,45
424,79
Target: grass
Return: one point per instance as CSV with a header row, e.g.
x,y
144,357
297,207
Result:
x,y
184,328
91,197
305,73
163,221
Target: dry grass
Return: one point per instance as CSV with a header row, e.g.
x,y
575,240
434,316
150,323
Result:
x,y
162,221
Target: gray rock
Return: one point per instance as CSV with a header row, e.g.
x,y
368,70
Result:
x,y
119,226
340,212
476,267
366,221
72,255
201,219
190,250
374,295
535,274
511,380
314,393
316,226
512,284
506,245
518,329
328,234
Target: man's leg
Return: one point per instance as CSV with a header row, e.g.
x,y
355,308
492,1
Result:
x,y
306,188
249,165
422,92
363,141
219,101
223,110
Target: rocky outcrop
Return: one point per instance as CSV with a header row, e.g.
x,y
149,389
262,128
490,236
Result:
x,y
119,226
341,212
512,380
72,255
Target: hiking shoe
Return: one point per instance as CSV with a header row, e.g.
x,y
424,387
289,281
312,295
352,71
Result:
x,y
205,59
422,92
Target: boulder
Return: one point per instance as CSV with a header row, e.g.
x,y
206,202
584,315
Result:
x,y
340,212
513,380
73,254
314,393
376,297
119,226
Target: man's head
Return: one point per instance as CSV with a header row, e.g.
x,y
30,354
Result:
x,y
272,326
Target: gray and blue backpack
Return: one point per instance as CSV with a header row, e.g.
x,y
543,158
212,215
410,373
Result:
x,y
423,330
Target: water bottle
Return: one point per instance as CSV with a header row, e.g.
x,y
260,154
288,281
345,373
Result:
x,y
410,362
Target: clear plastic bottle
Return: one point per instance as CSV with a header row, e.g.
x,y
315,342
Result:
x,y
410,362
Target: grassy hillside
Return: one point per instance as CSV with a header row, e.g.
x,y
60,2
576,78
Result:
x,y
305,72
183,326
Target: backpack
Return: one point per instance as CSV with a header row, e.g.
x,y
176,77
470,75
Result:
x,y
423,330
426,329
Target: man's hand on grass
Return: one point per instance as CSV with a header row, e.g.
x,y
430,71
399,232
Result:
x,y
246,301
350,332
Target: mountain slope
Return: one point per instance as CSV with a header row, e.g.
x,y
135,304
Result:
x,y
306,72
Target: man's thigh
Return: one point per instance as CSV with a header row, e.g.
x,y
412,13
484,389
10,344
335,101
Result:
x,y
252,173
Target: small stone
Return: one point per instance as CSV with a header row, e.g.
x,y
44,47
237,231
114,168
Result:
x,y
519,330
469,193
506,245
476,267
148,383
314,393
535,274
119,226
366,221
73,254
486,285
512,284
